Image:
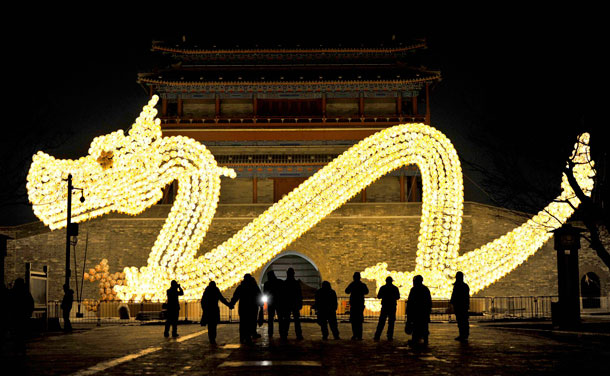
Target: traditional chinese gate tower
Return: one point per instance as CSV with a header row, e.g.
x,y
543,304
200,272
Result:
x,y
277,114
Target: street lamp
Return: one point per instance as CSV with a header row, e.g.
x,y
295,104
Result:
x,y
567,244
71,228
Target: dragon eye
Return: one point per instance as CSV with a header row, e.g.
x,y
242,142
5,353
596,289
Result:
x,y
105,159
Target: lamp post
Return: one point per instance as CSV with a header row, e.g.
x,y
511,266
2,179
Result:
x,y
567,244
71,228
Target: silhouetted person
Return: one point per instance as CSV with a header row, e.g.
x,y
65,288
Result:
x,y
248,295
66,307
211,313
419,306
388,294
460,299
291,304
326,310
272,289
4,314
173,309
357,290
21,306
260,309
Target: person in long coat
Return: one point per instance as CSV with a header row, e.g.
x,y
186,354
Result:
x,y
460,300
357,290
249,296
211,313
272,290
419,307
4,313
291,304
326,310
389,295
173,309
21,307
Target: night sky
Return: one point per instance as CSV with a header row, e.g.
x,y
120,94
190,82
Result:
x,y
525,87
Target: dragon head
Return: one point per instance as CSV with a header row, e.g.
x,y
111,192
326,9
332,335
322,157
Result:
x,y
117,175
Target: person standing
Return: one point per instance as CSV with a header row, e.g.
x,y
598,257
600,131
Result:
x,y
211,313
419,307
292,302
66,307
326,310
248,295
173,309
21,307
357,290
272,290
389,295
4,313
259,316
460,300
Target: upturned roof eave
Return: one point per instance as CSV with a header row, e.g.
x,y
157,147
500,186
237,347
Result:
x,y
285,83
184,51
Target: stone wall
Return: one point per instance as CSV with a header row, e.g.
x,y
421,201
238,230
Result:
x,y
235,191
352,238
240,190
264,190
385,189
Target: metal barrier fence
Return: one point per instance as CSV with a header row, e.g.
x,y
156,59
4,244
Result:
x,y
483,308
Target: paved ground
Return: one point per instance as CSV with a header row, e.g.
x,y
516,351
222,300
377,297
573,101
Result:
x,y
492,350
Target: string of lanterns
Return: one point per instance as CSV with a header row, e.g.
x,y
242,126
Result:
x,y
126,173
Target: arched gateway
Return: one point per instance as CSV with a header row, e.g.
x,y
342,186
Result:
x,y
305,269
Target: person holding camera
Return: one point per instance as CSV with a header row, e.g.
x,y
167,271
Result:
x,y
173,308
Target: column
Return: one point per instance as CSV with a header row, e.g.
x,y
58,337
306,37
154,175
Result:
x,y
180,105
164,107
323,106
399,104
402,188
427,103
217,106
413,190
254,190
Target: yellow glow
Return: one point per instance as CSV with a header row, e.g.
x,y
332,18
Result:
x,y
127,173
492,261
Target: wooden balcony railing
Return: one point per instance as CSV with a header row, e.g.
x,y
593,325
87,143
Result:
x,y
284,121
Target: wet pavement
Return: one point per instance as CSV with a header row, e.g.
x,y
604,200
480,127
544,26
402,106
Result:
x,y
141,349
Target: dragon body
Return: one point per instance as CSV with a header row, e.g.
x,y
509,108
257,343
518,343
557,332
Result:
x,y
126,174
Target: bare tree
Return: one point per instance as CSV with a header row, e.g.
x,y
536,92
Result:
x,y
510,182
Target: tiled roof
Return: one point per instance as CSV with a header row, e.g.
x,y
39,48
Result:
x,y
342,75
293,48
